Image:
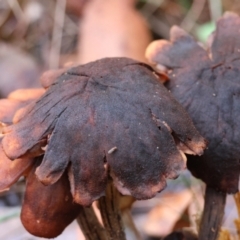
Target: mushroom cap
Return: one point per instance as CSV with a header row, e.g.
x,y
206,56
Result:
x,y
207,84
11,171
47,210
17,101
112,115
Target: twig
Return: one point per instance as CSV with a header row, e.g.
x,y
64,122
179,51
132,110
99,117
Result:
x,y
150,7
159,27
17,11
237,201
215,8
4,16
56,43
22,21
193,14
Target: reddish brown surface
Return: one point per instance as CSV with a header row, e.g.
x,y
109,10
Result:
x,y
113,28
11,171
17,100
47,210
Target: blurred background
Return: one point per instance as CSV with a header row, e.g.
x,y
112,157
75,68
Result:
x,y
38,35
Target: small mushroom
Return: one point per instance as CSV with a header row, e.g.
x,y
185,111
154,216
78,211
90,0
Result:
x,y
46,210
109,120
207,84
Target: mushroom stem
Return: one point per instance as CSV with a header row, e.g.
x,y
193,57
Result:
x,y
130,225
90,225
111,215
212,214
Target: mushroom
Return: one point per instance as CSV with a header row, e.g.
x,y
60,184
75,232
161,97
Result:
x,y
206,83
113,127
46,210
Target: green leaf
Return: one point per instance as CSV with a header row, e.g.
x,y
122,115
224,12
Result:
x,y
204,30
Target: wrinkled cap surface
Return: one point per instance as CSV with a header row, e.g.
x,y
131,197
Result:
x,y
112,115
207,84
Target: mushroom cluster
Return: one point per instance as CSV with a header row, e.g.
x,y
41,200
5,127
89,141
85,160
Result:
x,y
207,84
109,119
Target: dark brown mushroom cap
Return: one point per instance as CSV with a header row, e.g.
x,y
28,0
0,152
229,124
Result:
x,y
47,210
207,84
109,114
